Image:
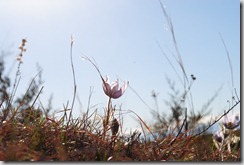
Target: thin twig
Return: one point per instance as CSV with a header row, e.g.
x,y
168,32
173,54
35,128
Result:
x,y
225,113
184,122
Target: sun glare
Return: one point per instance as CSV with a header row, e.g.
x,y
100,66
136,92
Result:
x,y
34,7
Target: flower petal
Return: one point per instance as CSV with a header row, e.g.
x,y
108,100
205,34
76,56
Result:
x,y
124,86
231,122
219,136
106,89
121,91
113,90
115,86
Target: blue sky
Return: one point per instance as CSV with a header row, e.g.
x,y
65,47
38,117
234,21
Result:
x,y
121,36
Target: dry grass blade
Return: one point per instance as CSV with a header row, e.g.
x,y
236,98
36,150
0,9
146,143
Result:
x,y
143,123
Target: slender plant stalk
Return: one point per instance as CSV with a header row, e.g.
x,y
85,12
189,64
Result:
x,y
106,121
88,108
37,96
73,73
231,68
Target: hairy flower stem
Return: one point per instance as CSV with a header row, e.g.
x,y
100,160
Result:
x,y
107,118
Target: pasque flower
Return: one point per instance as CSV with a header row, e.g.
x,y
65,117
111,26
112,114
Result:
x,y
231,122
113,90
219,136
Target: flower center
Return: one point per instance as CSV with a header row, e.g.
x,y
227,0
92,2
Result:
x,y
229,124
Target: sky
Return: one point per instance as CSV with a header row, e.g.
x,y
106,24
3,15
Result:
x,y
123,38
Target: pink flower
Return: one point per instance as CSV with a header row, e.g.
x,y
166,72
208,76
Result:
x,y
219,136
231,122
113,90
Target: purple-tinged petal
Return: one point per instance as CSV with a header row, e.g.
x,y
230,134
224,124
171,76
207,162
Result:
x,y
113,90
106,89
231,122
124,87
219,136
117,94
114,87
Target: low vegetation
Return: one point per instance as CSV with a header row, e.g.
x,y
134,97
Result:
x,y
29,133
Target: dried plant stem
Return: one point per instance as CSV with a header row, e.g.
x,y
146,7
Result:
x,y
230,65
74,81
171,28
87,58
88,108
172,66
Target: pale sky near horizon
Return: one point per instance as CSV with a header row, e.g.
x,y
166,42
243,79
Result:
x,y
121,36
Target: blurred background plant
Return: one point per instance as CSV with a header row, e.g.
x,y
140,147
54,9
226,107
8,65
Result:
x,y
228,137
21,106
